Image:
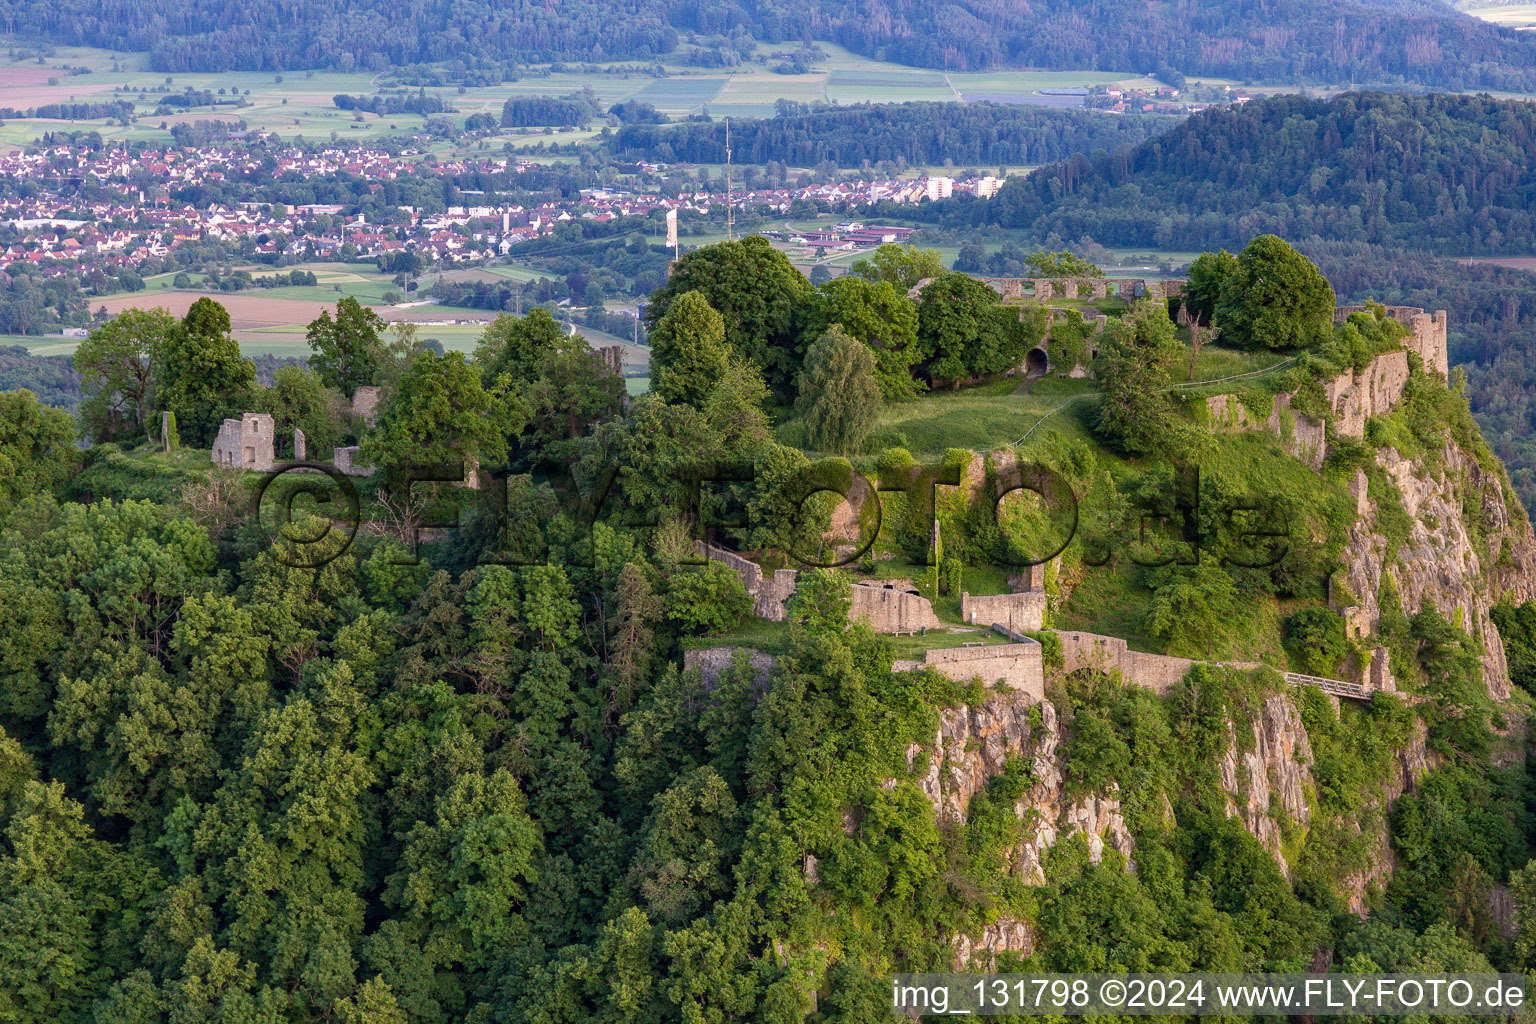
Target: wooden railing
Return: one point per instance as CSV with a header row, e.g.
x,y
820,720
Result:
x,y
1337,687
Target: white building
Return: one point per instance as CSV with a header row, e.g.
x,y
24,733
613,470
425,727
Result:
x,y
940,188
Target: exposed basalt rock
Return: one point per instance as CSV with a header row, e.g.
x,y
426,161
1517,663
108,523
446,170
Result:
x,y
1006,935
1275,773
1441,564
1268,783
974,745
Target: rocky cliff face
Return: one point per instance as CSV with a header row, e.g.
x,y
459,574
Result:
x,y
1442,563
973,745
1274,773
1266,774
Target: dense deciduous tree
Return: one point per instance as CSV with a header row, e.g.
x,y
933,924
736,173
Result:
x,y
689,353
966,332
37,446
880,316
1207,274
116,364
839,395
441,414
1138,411
299,399
346,348
755,290
517,345
900,266
1275,298
200,375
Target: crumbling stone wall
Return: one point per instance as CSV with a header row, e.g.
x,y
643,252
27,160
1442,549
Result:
x,y
891,609
246,443
1007,287
1427,332
1429,340
345,460
1302,436
1356,397
710,660
769,596
1157,672
1019,612
613,358
1075,287
365,404
1020,667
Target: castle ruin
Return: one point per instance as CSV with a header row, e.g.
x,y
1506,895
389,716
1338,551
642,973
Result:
x,y
1426,337
246,443
613,358
365,404
1043,288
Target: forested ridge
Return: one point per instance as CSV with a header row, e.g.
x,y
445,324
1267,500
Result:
x,y
237,785
1324,41
1447,174
919,133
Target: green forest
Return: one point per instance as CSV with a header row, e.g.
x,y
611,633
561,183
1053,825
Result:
x,y
980,134
1443,174
1323,41
474,782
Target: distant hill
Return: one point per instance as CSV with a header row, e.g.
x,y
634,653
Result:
x,y
1449,174
982,134
1324,41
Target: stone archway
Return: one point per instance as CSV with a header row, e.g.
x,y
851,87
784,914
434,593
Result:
x,y
1036,363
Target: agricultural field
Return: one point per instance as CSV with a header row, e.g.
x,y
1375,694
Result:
x,y
752,93
884,86
300,103
333,282
680,95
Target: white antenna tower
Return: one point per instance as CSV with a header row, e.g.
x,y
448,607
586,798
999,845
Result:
x,y
727,179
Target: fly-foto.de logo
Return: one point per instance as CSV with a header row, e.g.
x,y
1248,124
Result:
x,y
310,512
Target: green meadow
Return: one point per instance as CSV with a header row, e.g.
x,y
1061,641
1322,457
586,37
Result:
x,y
300,103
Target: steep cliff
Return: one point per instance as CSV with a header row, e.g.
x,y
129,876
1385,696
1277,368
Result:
x,y
1442,527
1265,776
973,745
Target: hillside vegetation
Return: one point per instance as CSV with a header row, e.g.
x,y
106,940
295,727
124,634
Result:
x,y
1277,41
240,781
917,133
1440,173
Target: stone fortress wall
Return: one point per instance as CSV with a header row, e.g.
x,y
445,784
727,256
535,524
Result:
x,y
1018,666
1427,332
1082,287
1161,673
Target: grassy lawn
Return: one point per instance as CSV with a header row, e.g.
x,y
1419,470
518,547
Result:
x,y
1215,362
1113,603
978,418
770,637
912,647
